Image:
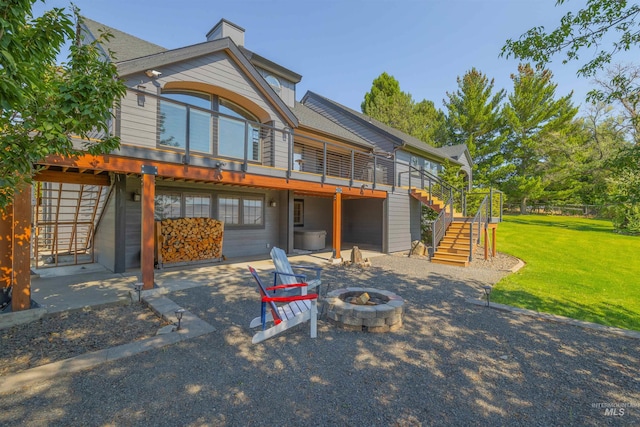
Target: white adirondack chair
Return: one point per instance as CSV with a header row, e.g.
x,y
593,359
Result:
x,y
285,275
294,310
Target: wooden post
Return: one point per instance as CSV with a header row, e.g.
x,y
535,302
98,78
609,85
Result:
x,y
148,226
337,224
21,294
6,249
486,243
493,240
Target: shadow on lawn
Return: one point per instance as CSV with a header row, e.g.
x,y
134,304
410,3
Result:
x,y
602,313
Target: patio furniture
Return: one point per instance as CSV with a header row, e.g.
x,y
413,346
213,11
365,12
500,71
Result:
x,y
285,274
294,310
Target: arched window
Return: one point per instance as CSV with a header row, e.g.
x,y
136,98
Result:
x,y
174,112
187,119
234,125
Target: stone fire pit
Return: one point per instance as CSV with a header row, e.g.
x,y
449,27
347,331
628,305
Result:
x,y
381,313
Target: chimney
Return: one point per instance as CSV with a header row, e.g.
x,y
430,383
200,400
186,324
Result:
x,y
225,28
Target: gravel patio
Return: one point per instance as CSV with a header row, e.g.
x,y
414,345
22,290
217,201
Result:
x,y
452,363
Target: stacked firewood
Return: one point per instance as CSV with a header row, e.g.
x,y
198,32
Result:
x,y
188,239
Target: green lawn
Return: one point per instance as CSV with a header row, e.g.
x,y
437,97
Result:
x,y
575,267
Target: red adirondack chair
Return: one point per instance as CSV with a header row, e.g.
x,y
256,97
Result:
x,y
292,311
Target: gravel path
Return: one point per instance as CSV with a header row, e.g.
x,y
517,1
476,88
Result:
x,y
453,363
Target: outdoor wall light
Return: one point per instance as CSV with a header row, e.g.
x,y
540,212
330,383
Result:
x,y
273,203
487,292
179,313
135,196
140,96
138,288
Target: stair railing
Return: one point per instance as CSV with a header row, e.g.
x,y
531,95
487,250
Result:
x,y
440,225
481,221
436,187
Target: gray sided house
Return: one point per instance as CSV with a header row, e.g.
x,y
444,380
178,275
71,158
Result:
x,y
214,130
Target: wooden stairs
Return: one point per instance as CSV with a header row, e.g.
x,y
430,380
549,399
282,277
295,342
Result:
x,y
455,248
432,201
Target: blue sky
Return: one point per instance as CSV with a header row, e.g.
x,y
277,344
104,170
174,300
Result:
x,y
340,46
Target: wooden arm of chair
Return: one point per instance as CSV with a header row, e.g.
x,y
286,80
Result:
x,y
290,299
293,285
311,267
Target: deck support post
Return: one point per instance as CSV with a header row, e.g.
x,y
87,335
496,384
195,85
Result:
x,y
493,241
6,248
486,243
337,224
148,226
21,250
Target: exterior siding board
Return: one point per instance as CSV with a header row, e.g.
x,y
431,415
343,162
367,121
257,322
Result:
x,y
399,221
363,221
318,215
105,238
219,70
138,123
288,92
415,209
352,125
133,228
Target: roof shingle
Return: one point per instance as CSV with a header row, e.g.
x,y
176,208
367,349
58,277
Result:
x,y
124,46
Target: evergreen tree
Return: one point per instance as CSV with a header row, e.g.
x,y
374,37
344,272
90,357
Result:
x,y
536,123
389,105
474,118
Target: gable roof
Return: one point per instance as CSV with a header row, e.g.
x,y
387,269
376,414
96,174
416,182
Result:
x,y
311,119
124,46
457,151
157,56
399,138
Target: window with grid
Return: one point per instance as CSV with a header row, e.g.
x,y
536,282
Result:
x,y
241,210
197,206
229,210
168,205
252,211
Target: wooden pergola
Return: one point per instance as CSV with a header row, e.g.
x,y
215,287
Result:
x,y
15,221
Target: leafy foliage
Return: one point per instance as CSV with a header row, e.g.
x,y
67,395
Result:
x,y
44,105
624,190
584,29
620,86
